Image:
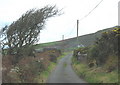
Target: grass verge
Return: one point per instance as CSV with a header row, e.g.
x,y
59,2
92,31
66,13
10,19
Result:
x,y
95,74
42,77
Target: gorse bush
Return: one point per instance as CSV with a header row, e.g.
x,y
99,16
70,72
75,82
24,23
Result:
x,y
105,46
102,59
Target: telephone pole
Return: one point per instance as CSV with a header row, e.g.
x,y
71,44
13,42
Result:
x,y
77,32
62,37
119,13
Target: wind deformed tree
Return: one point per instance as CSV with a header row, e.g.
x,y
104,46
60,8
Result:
x,y
24,32
3,39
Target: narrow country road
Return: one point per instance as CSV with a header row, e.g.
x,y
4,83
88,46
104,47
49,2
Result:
x,y
64,72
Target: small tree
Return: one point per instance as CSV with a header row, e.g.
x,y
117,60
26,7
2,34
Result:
x,y
3,39
24,32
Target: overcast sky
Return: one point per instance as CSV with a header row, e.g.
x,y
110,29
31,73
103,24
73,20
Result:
x,y
104,16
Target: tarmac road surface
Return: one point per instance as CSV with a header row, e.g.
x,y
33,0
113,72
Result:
x,y
64,73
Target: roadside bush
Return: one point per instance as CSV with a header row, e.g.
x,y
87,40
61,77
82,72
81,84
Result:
x,y
29,51
83,51
102,59
105,46
53,58
29,69
93,52
14,75
75,53
111,63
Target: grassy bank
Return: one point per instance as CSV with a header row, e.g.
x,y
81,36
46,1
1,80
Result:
x,y
95,74
42,77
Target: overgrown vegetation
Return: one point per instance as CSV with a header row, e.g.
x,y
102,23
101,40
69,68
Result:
x,y
43,76
21,62
101,61
106,46
95,74
29,68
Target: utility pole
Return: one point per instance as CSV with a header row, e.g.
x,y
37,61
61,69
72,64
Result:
x,y
77,32
62,37
119,13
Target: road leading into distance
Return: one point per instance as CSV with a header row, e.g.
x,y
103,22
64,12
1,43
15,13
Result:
x,y
64,73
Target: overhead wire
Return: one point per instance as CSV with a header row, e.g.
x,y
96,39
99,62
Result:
x,y
72,30
85,16
91,11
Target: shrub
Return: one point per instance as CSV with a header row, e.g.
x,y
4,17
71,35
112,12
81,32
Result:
x,y
53,58
83,50
111,63
29,69
105,46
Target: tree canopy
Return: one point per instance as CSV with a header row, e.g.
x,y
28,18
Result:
x,y
24,32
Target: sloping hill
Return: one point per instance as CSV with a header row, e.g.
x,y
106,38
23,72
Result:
x,y
70,44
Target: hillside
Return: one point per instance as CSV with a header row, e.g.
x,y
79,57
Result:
x,y
70,44
37,66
